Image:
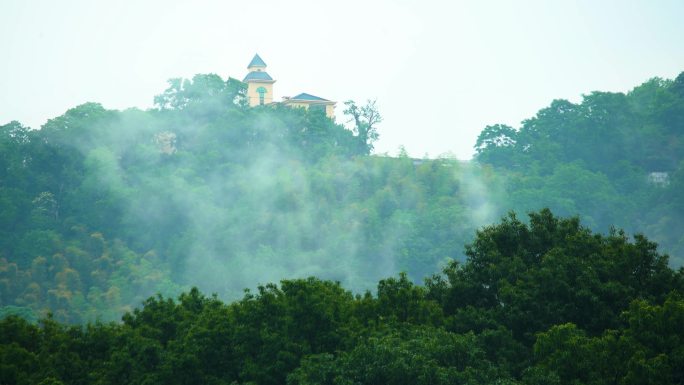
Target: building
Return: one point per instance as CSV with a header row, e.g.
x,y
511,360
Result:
x,y
659,178
260,91
307,101
259,83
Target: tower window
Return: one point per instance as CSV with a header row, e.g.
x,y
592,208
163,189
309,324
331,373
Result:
x,y
262,92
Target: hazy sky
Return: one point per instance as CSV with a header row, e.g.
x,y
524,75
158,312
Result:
x,y
440,70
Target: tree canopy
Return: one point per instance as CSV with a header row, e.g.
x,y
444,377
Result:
x,y
104,210
547,301
614,158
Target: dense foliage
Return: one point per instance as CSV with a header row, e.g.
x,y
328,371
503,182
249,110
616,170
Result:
x,y
547,302
100,209
614,159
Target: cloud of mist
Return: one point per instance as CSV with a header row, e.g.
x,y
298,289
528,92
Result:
x,y
224,225
478,194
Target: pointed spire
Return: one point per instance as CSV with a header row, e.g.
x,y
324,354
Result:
x,y
256,62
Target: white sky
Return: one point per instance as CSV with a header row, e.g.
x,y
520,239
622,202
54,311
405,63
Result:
x,y
440,70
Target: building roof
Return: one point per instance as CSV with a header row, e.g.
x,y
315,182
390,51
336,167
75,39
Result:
x,y
256,62
257,75
305,96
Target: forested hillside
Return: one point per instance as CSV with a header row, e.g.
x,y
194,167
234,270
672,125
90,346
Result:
x,y
100,209
547,302
615,159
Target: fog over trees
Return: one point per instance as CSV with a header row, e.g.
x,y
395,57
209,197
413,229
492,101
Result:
x,y
391,269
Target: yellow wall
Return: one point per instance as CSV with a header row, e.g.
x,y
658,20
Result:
x,y
330,111
298,105
253,95
329,108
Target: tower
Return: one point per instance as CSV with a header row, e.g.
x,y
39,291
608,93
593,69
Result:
x,y
259,83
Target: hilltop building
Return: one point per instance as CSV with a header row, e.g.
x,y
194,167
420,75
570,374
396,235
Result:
x,y
305,100
260,91
259,83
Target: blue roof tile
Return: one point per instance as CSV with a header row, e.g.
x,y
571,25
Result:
x,y
305,96
257,75
256,62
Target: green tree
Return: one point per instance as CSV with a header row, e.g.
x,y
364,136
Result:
x,y
365,119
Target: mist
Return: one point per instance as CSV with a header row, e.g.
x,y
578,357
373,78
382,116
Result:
x,y
109,207
228,198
